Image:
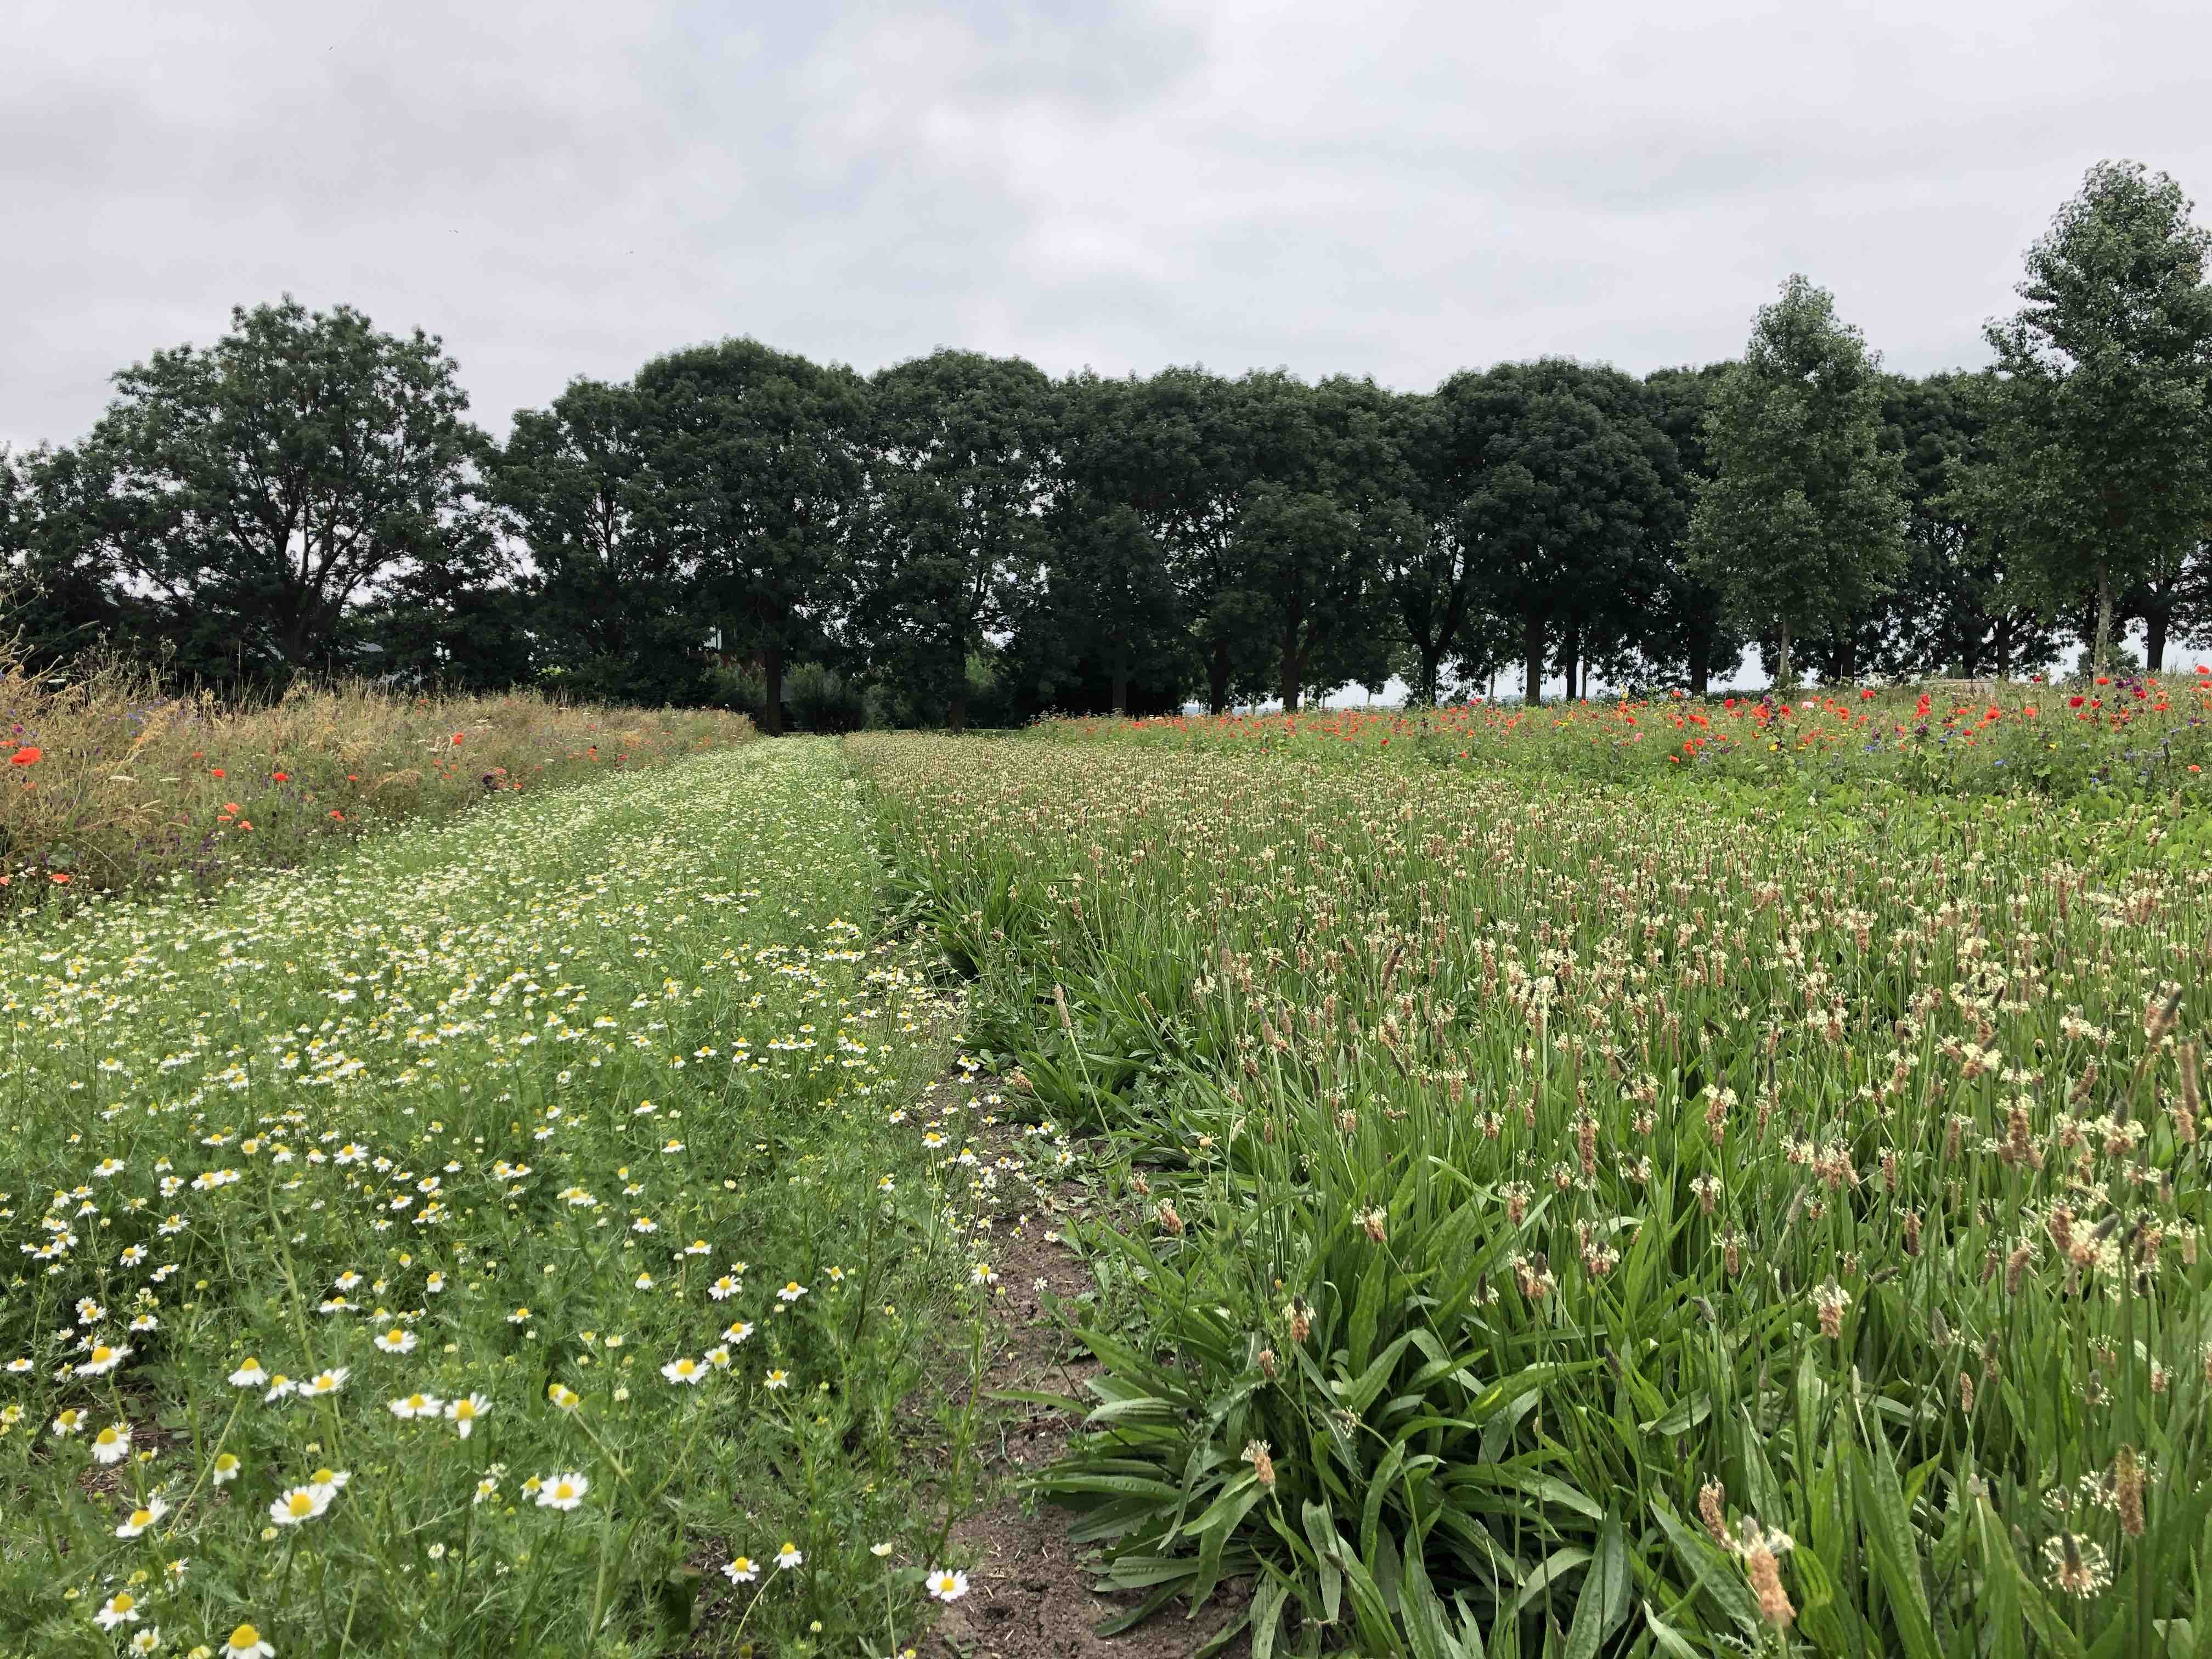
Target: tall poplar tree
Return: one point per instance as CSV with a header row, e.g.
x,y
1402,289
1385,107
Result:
x,y
2105,371
1800,528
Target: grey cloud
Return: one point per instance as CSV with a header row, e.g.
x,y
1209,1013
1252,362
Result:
x,y
568,188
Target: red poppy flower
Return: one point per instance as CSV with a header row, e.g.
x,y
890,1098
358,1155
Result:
x,y
26,755
215,771
456,737
2073,702
281,777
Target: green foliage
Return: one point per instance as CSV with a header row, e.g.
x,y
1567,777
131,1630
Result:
x,y
445,1119
239,501
1609,1220
2107,397
1799,528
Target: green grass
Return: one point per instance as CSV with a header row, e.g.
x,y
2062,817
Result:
x,y
522,1109
1554,1194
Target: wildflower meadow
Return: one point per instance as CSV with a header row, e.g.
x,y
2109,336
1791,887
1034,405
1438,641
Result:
x,y
517,1235
1520,1202
1577,1214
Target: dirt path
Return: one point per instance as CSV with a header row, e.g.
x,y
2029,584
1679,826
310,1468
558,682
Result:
x,y
1030,1595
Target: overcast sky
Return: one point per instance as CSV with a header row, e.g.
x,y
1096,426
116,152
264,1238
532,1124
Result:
x,y
562,189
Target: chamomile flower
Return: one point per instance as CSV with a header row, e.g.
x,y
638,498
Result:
x,y
396,1341
147,1641
140,1519
245,1643
778,1378
300,1504
415,1405
685,1369
945,1585
791,1292
68,1423
741,1569
562,1491
121,1608
226,1467
788,1557
466,1412
324,1383
112,1444
104,1359
249,1375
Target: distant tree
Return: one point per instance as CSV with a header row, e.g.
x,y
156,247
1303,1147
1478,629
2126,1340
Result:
x,y
1110,597
2106,371
1310,547
1431,580
611,602
253,492
1689,630
1956,607
62,597
1196,448
454,618
1556,471
1801,527
758,452
958,452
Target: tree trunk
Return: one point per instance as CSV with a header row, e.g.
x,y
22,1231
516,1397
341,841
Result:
x,y
1432,671
2001,642
1290,675
956,716
1570,663
1849,666
772,678
2100,648
1532,661
2154,620
1781,676
1701,665
1216,678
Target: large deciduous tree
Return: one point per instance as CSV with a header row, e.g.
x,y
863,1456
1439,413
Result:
x,y
759,453
958,452
612,601
253,494
1801,527
1556,471
2107,370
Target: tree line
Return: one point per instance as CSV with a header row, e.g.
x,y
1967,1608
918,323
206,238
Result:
x,y
965,538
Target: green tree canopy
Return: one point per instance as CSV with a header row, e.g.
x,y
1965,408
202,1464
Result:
x,y
958,453
1800,528
251,495
758,453
613,602
2106,371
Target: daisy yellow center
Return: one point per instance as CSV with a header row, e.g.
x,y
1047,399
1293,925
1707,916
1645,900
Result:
x,y
142,1517
244,1636
124,1602
100,1354
323,1477
562,1489
301,1503
108,1436
465,1408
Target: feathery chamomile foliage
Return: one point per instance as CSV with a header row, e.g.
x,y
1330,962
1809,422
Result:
x,y
476,1242
1612,1219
